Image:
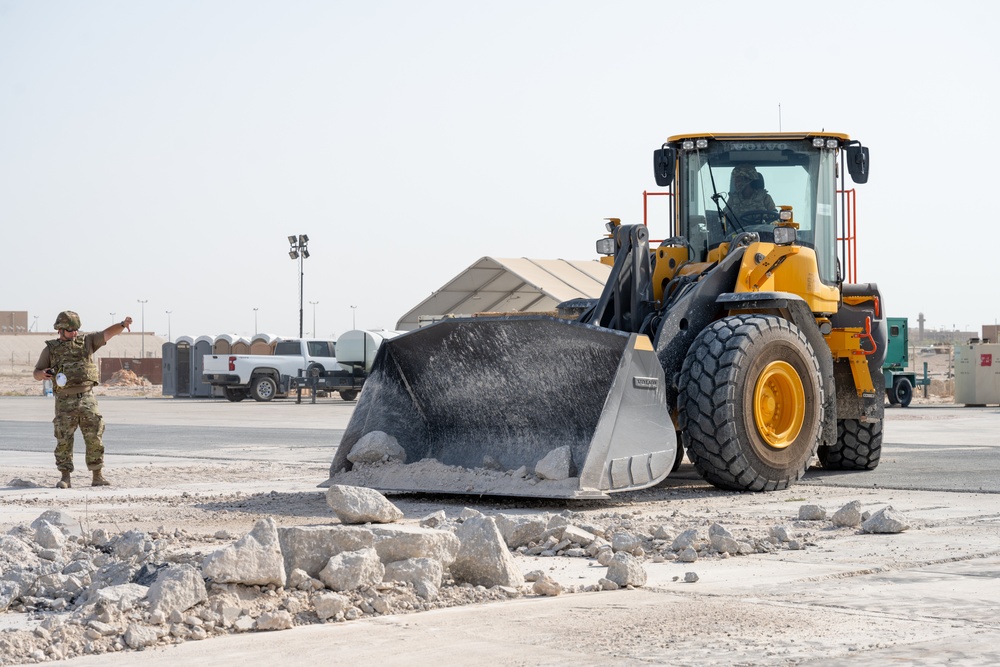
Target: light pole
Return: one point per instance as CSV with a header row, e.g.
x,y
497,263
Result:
x,y
169,337
314,316
142,325
354,319
254,321
297,250
113,318
34,325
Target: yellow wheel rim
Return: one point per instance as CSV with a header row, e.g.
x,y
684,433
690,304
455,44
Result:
x,y
779,404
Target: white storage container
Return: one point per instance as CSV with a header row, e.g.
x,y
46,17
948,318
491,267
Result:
x,y
357,346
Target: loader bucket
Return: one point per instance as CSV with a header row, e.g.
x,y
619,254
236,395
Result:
x,y
472,401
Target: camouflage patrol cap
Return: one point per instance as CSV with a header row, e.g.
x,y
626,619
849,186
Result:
x,y
67,319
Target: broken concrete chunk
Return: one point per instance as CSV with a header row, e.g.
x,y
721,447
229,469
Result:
x,y
254,560
177,588
578,536
547,587
122,596
356,504
692,537
67,523
811,513
274,620
886,520
626,570
687,555
468,513
626,541
424,574
329,605
140,636
607,585
352,570
434,519
483,558
849,515
519,530
309,548
555,465
778,533
377,447
49,536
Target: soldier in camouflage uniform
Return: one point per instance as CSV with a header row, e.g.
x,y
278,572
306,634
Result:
x,y
68,362
748,193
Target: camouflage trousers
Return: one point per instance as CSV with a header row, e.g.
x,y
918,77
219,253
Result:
x,y
72,411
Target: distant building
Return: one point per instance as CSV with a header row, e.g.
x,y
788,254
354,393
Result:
x,y
13,321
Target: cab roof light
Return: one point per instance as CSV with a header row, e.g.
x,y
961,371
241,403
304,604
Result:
x,y
692,144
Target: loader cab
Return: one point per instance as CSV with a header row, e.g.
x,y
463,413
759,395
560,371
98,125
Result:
x,y
729,184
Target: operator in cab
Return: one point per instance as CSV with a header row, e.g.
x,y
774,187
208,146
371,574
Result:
x,y
748,195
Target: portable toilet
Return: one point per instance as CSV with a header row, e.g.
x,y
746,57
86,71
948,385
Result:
x,y
262,343
202,347
241,346
223,344
183,366
169,355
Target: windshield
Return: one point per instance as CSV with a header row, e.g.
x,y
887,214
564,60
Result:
x,y
734,186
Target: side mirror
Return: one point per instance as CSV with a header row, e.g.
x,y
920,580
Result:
x,y
858,163
663,165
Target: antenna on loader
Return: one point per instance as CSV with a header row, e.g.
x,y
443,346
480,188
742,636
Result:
x,y
779,116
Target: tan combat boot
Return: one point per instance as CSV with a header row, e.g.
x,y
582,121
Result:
x,y
99,479
64,483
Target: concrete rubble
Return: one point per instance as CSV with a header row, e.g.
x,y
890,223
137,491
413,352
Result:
x,y
89,592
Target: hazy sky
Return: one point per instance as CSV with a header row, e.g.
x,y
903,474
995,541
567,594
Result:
x,y
164,151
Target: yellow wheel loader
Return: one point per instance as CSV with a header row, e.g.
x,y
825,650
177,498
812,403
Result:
x,y
738,340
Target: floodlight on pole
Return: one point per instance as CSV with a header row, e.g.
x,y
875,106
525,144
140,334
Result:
x,y
297,250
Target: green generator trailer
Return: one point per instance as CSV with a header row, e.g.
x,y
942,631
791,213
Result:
x,y
899,382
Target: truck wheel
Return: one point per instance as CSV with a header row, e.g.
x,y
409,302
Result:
x,y
233,394
263,388
750,403
859,446
891,395
903,391
348,394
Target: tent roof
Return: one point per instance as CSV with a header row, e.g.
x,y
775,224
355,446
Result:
x,y
504,285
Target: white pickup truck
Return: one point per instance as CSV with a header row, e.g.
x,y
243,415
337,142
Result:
x,y
265,376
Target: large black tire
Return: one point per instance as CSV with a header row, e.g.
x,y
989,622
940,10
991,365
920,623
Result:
x,y
891,395
902,391
263,388
751,403
234,394
348,394
679,454
859,446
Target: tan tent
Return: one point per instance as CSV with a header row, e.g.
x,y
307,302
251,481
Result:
x,y
505,285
